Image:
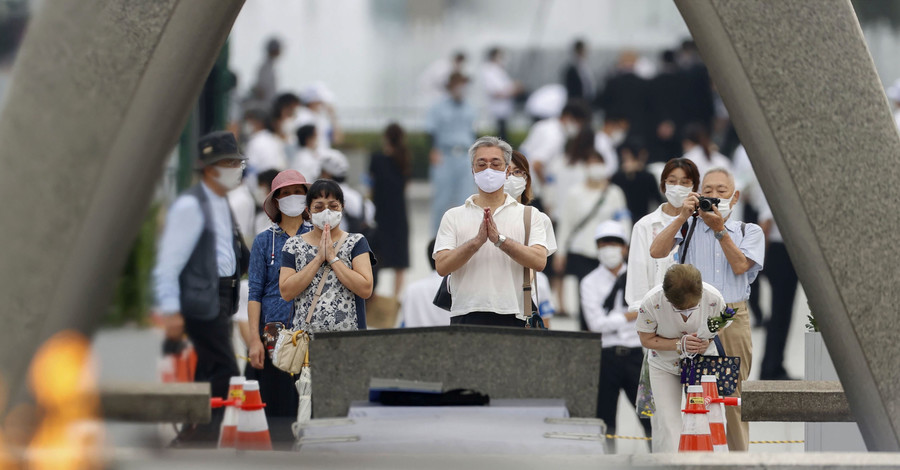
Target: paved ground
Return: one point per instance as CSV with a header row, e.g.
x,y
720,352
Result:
x,y
129,354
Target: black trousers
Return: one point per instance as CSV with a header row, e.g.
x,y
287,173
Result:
x,y
215,358
580,266
783,279
620,369
501,129
278,392
488,319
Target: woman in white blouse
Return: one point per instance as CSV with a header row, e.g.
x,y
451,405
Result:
x,y
679,178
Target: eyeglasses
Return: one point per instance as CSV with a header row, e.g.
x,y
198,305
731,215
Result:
x,y
320,206
519,173
495,165
232,163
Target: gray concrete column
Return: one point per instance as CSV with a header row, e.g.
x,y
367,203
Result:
x,y
100,91
803,93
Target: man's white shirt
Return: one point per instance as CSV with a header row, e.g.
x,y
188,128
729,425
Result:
x,y
416,303
490,281
612,324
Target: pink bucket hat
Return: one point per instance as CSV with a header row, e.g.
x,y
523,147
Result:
x,y
283,179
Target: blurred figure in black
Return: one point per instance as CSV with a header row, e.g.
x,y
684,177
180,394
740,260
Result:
x,y
641,192
697,99
625,94
578,76
665,93
266,81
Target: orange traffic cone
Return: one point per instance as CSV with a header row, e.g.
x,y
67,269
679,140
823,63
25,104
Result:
x,y
252,428
716,413
695,435
228,431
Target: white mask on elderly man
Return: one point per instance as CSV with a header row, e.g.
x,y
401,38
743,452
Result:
x,y
676,194
490,180
725,207
514,186
229,178
610,256
326,217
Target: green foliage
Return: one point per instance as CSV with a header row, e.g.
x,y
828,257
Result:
x,y
134,295
812,325
417,143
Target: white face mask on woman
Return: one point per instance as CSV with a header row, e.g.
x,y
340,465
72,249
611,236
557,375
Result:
x,y
293,205
515,186
229,178
676,194
326,217
596,171
490,180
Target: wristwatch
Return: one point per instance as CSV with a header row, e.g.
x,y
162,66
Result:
x,y
720,234
335,260
500,240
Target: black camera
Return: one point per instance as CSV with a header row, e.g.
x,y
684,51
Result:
x,y
707,203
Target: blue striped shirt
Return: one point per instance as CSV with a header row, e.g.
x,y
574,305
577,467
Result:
x,y
705,253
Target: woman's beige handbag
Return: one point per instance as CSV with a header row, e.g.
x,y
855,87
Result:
x,y
291,348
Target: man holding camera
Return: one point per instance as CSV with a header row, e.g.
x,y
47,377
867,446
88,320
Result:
x,y
729,255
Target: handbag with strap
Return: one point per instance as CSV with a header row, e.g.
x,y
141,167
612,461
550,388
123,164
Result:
x,y
292,345
533,320
727,369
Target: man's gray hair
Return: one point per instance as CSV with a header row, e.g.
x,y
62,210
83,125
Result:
x,y
491,141
719,169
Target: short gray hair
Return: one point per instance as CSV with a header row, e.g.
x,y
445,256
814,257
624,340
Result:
x,y
491,141
719,169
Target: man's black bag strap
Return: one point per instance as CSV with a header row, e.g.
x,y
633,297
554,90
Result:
x,y
687,235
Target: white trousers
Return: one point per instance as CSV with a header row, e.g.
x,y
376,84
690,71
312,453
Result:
x,y
666,422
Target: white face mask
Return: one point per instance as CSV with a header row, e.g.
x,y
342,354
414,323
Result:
x,y
287,125
725,207
596,171
617,137
329,217
229,178
514,186
571,129
610,257
490,180
676,194
293,205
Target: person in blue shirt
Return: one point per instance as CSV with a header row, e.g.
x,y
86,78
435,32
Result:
x,y
285,206
451,128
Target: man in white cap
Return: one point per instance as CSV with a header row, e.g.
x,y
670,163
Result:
x,y
605,311
318,111
893,94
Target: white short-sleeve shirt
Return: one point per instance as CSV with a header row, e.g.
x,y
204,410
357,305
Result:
x,y
657,315
490,281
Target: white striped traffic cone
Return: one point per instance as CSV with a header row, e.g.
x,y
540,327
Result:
x,y
252,428
716,413
695,435
228,431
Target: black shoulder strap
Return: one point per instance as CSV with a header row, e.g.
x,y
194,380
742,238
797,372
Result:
x,y
618,287
687,239
743,229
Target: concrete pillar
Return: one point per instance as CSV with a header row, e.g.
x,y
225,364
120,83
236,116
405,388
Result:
x,y
803,93
100,91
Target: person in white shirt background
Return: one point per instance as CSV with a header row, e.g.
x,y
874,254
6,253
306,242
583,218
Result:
x,y
545,145
433,81
606,312
699,149
307,159
417,307
501,90
586,204
263,148
318,110
609,137
672,322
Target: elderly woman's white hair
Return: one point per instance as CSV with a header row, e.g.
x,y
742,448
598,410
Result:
x,y
491,141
